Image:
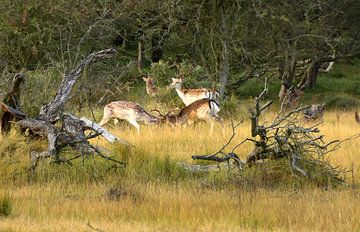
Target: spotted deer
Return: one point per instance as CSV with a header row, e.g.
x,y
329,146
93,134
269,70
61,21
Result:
x,y
200,110
189,96
128,111
151,89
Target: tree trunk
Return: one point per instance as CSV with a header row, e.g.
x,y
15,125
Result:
x,y
12,99
224,59
309,79
157,49
141,54
287,70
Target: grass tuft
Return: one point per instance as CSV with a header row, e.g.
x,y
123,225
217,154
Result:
x,y
5,205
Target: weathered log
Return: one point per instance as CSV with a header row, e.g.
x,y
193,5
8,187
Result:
x,y
224,158
38,127
103,132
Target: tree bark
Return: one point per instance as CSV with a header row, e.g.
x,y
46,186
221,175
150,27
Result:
x,y
224,60
11,104
287,69
309,79
141,54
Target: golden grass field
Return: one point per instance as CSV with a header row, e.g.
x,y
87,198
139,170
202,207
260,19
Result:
x,y
157,195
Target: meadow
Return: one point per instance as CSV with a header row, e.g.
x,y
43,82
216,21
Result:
x,y
155,193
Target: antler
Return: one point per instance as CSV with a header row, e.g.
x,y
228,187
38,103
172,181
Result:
x,y
156,110
172,111
183,75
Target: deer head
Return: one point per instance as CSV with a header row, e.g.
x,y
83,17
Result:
x,y
170,117
177,82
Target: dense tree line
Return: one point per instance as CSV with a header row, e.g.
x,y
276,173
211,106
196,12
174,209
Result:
x,y
232,40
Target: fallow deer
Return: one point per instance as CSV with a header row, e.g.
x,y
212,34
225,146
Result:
x,y
128,111
151,89
189,96
200,110
314,112
357,117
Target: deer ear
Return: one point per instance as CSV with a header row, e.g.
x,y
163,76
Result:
x,y
145,78
173,79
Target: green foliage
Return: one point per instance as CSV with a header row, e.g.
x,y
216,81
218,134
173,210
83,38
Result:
x,y
38,89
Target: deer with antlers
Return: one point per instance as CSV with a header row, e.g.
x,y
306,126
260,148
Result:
x,y
189,96
151,89
129,111
200,110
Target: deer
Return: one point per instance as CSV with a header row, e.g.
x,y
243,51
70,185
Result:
x,y
151,89
200,110
129,111
189,96
314,112
357,117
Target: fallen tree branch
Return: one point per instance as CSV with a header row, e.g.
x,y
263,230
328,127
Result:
x,y
103,132
285,138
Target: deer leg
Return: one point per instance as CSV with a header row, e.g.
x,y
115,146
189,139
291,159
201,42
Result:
x,y
104,120
135,124
116,121
221,122
211,127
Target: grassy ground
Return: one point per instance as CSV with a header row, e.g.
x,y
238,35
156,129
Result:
x,y
154,193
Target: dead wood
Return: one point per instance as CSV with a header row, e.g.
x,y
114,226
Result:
x,y
287,138
61,130
224,156
51,112
11,104
101,131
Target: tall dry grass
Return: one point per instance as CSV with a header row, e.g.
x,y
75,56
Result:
x,y
153,193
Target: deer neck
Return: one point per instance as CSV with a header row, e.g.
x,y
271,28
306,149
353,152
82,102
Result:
x,y
149,84
180,91
148,118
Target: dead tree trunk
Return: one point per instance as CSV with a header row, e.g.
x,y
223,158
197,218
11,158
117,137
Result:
x,y
12,99
68,130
